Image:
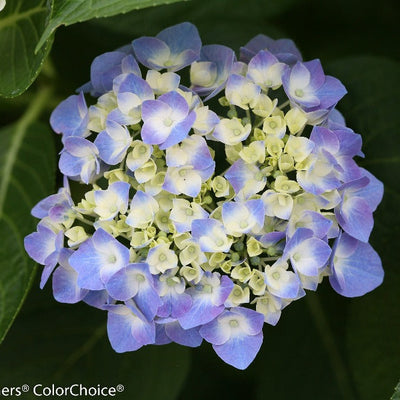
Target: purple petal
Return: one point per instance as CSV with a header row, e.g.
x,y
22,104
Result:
x,y
185,337
357,272
182,37
331,92
355,217
179,132
132,83
104,69
161,336
240,351
201,312
65,286
39,245
151,52
284,49
373,191
127,331
70,117
174,305
97,259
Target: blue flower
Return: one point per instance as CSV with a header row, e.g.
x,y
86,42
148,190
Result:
x,y
167,120
44,246
243,217
307,86
70,117
113,142
131,92
211,235
173,48
127,328
97,259
209,74
185,337
208,298
171,289
307,253
79,159
265,70
236,335
246,179
135,282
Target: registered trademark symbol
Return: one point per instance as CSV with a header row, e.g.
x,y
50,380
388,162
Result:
x,y
120,388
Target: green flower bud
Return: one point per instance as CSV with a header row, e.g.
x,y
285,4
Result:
x,y
239,295
216,259
286,163
242,273
257,283
253,247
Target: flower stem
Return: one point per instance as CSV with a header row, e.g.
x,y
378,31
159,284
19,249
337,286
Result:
x,y
37,105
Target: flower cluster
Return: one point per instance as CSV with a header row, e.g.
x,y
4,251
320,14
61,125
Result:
x,y
205,221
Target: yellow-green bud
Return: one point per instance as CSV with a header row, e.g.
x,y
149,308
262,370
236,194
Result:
x,y
286,163
76,236
226,266
253,247
239,295
216,259
138,239
242,273
258,134
295,120
223,101
257,283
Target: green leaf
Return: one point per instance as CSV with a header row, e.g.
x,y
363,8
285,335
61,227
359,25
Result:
x,y
396,394
371,109
68,344
21,25
27,170
68,12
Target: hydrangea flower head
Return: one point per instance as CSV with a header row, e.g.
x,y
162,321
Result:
x,y
197,224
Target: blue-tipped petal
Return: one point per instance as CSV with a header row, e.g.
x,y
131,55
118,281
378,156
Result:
x,y
201,312
307,253
240,351
184,337
39,245
128,330
70,117
180,37
151,52
106,67
356,267
236,335
355,217
284,50
161,336
179,132
113,143
97,259
373,191
65,286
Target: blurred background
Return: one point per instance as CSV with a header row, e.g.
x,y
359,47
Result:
x,y
325,347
